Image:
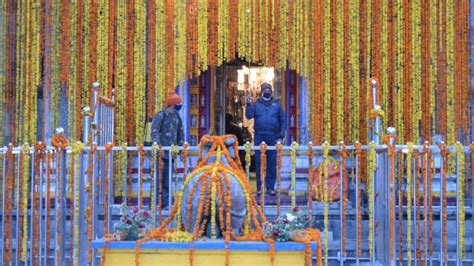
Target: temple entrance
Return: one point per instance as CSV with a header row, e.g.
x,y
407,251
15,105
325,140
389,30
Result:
x,y
235,82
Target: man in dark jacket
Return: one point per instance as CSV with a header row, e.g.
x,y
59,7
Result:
x,y
269,126
167,130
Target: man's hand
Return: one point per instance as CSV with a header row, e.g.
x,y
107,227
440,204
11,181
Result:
x,y
248,99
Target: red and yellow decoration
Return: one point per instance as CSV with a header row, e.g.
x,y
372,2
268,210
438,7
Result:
x,y
141,50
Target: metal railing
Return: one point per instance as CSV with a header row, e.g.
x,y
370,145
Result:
x,y
47,193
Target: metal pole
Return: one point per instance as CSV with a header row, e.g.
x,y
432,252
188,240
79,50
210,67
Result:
x,y
357,208
32,214
415,233
3,202
341,199
441,215
17,212
458,259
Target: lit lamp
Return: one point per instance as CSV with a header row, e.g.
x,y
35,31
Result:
x,y
269,74
240,80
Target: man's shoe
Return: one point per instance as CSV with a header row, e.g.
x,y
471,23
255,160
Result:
x,y
271,192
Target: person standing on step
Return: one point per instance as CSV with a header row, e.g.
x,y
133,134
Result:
x,y
269,127
166,130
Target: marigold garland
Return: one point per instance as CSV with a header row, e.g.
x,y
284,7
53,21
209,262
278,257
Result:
x,y
326,149
292,192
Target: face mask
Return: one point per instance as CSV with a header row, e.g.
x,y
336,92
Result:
x,y
177,107
266,95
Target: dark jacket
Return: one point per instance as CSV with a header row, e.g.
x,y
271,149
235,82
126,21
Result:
x,y
233,129
167,128
269,117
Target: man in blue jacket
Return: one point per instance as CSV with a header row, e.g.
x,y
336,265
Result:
x,y
269,126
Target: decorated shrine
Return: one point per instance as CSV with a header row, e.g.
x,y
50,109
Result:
x,y
364,154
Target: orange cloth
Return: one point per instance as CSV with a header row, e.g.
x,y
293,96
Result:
x,y
173,98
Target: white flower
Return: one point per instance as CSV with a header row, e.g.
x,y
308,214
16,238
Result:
x,y
290,217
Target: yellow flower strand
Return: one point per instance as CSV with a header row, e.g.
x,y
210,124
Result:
x,y
416,61
160,88
399,70
55,89
202,34
72,90
354,65
180,42
20,46
450,39
283,53
292,192
384,65
326,70
461,188
85,56
25,149
326,161
139,69
371,167
120,79
409,200
103,45
119,178
433,41
340,72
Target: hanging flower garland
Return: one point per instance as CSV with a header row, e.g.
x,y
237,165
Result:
x,y
263,173
409,200
139,68
24,175
174,155
460,188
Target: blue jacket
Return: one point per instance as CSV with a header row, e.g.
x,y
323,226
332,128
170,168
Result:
x,y
269,117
